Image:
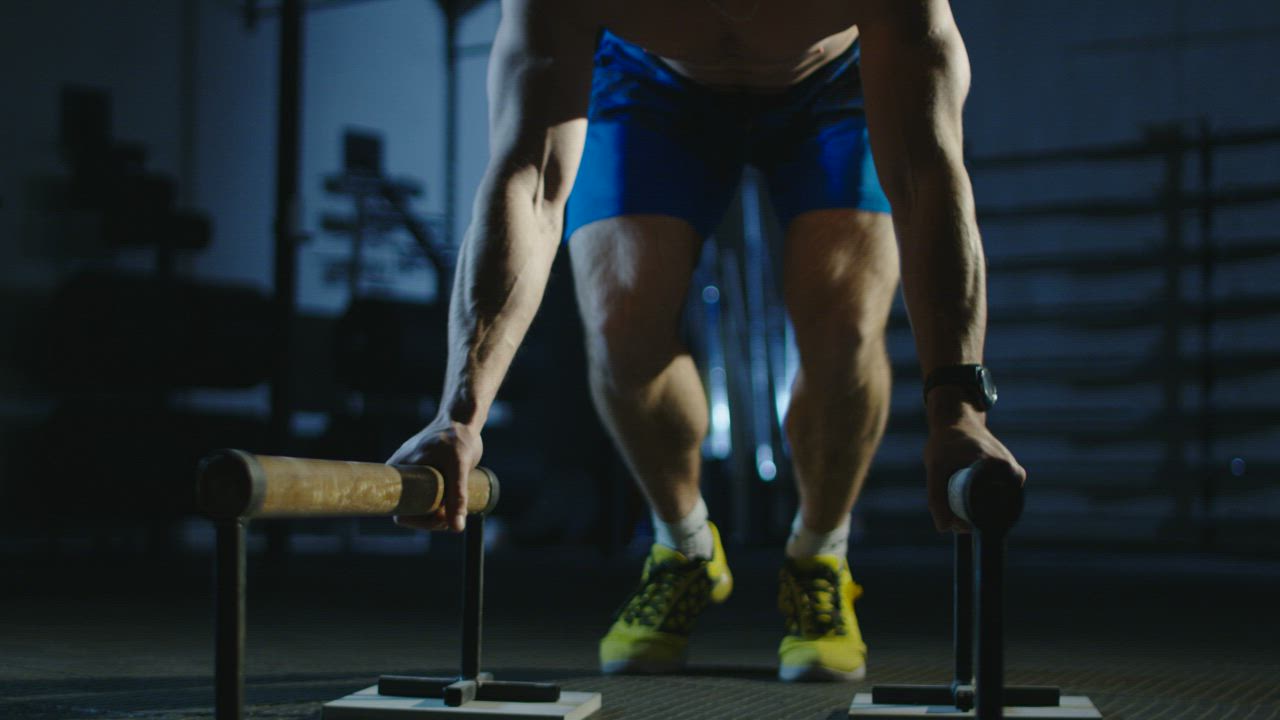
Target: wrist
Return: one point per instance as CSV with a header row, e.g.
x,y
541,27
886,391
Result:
x,y
463,410
947,405
951,391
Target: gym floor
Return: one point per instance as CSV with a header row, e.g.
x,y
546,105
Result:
x,y
1145,636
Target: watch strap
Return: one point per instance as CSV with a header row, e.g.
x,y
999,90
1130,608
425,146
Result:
x,y
968,375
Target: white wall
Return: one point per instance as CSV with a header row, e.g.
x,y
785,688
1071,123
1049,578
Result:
x,y
376,65
235,118
1052,73
476,33
44,46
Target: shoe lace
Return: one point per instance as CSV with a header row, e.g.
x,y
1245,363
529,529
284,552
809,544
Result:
x,y
670,597
812,603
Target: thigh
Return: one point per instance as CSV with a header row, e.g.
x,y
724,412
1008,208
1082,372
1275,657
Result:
x,y
632,274
840,275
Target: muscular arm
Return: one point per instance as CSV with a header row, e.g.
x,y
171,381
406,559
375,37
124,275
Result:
x,y
539,79
916,75
539,84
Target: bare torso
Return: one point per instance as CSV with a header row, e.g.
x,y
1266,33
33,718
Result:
x,y
750,44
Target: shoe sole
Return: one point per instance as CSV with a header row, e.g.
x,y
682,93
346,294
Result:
x,y
722,586
640,667
818,673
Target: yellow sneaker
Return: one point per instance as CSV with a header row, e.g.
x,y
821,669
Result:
x,y
650,632
823,642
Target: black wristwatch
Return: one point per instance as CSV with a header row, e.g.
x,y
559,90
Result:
x,y
975,379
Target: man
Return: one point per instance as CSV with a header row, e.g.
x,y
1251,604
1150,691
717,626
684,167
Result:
x,y
654,107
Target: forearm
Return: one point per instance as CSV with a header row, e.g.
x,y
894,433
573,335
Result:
x,y
501,275
943,271
944,283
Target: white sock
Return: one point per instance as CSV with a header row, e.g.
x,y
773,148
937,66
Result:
x,y
805,543
690,534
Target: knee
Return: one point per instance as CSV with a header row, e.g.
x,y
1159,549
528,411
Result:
x,y
840,316
841,279
624,348
844,373
841,339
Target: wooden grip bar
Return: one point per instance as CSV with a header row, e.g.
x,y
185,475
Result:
x,y
233,483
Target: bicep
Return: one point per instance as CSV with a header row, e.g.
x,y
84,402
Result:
x,y
539,85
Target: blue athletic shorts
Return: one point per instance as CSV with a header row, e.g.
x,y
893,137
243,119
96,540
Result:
x,y
659,143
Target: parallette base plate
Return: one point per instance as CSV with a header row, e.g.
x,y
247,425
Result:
x,y
1070,706
367,704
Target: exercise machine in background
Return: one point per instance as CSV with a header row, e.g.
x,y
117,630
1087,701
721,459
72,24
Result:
x,y
381,205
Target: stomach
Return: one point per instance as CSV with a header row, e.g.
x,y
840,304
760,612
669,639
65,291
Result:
x,y
765,46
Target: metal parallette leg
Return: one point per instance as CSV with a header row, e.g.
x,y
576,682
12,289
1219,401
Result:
x,y
962,621
471,684
229,599
990,602
472,597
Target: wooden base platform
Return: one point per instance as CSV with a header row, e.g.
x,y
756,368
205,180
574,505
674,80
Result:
x,y
1070,706
367,704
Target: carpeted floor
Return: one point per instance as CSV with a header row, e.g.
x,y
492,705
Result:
x,y
1146,637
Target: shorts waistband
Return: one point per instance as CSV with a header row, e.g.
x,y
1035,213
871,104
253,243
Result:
x,y
849,58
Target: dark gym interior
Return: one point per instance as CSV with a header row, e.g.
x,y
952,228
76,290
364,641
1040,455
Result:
x,y
234,223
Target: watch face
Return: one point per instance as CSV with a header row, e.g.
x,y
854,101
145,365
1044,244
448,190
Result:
x,y
989,392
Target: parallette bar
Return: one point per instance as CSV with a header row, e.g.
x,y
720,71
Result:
x,y
233,483
988,495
